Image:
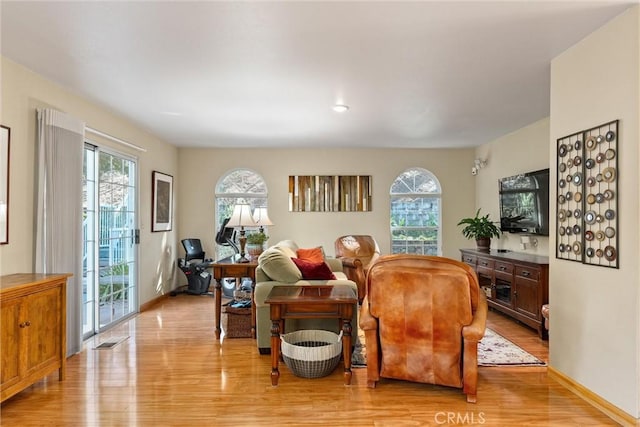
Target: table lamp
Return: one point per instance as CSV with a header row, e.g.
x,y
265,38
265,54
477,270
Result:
x,y
242,218
261,218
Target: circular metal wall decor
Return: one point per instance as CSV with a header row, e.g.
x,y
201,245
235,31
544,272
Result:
x,y
577,178
562,150
586,200
610,253
610,136
610,154
610,232
577,248
609,174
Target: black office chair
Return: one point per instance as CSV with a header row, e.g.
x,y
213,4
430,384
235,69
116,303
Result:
x,y
194,266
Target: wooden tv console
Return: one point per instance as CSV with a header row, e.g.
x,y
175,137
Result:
x,y
515,283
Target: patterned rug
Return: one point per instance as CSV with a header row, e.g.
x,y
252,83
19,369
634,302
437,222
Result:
x,y
493,350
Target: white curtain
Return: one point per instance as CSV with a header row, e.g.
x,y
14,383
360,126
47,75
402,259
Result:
x,y
59,210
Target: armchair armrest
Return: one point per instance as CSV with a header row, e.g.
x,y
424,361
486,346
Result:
x,y
471,334
354,270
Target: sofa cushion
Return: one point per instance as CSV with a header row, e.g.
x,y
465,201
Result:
x,y
314,270
277,264
312,254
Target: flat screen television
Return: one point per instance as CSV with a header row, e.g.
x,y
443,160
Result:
x,y
524,203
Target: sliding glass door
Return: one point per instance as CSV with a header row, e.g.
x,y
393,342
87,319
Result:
x,y
110,256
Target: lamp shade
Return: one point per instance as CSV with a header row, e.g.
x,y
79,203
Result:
x,y
261,217
241,216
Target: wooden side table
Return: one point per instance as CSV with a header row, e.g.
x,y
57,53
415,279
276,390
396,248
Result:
x,y
228,267
311,302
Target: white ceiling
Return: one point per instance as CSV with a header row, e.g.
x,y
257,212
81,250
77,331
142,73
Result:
x,y
265,74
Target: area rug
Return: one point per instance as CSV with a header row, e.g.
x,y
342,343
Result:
x,y
493,350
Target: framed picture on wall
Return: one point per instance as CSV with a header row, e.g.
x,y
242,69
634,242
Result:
x,y
162,202
5,136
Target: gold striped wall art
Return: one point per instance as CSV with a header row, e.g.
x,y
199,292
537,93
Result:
x,y
329,193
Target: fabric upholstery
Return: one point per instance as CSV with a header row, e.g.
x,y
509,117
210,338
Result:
x,y
265,282
423,317
357,253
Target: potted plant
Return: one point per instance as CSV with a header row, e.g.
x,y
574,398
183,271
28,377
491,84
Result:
x,y
255,243
480,228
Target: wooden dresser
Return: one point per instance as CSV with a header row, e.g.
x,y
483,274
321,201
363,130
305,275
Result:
x,y
33,333
515,283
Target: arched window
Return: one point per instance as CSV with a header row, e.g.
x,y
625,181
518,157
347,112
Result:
x,y
416,213
238,186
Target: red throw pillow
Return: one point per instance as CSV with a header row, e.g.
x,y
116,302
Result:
x,y
314,254
314,270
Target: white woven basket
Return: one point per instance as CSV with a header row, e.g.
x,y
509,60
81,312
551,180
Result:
x,y
311,353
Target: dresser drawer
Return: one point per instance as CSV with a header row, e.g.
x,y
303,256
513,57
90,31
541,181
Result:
x,y
469,259
504,267
528,273
486,262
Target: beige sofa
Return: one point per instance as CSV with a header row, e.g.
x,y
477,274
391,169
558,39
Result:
x,y
275,268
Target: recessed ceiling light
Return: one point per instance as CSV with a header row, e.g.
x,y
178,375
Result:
x,y
340,108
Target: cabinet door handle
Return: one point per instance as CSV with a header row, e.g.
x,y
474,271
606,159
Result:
x,y
503,268
526,274
23,325
484,263
27,323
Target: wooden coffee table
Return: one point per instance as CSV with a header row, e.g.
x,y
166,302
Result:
x,y
311,302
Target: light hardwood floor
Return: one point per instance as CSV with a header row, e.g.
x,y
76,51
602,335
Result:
x,y
172,372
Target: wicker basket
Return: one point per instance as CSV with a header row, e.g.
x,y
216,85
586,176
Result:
x,y
236,322
311,353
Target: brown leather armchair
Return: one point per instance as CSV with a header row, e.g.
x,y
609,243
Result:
x,y
357,252
422,318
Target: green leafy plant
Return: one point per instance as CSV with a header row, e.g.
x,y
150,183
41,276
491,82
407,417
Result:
x,y
257,238
479,227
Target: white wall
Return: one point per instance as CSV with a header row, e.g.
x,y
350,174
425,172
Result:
x,y
200,170
22,92
594,335
524,150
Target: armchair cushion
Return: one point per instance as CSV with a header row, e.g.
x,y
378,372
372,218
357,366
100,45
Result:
x,y
314,270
